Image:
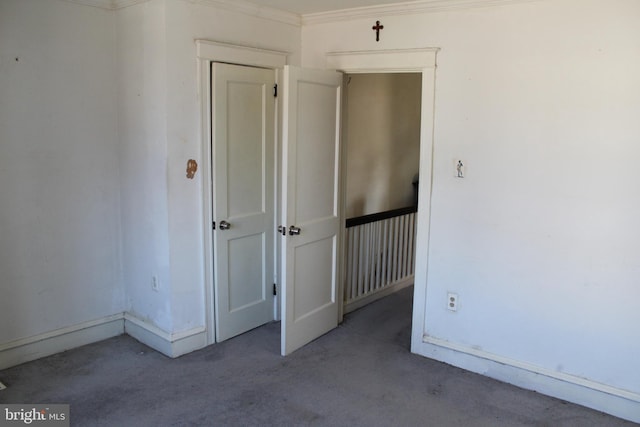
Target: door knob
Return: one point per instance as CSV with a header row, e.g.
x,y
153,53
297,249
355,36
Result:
x,y
224,225
294,231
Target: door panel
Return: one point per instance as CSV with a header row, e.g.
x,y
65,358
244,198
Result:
x,y
319,292
315,152
243,159
311,148
244,275
245,148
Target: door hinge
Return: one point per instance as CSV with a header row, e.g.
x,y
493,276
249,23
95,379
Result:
x,y
275,90
213,225
275,289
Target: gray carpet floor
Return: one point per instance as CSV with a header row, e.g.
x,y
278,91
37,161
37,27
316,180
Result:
x,y
360,374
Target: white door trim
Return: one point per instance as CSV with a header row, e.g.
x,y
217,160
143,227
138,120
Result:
x,y
383,61
240,55
208,51
423,61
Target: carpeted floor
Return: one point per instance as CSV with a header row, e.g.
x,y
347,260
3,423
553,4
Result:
x,y
360,374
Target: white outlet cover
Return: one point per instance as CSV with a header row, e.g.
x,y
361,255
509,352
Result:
x,y
452,301
2,386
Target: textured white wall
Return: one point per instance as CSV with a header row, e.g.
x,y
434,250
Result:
x,y
59,187
142,119
99,116
187,22
383,141
541,101
160,132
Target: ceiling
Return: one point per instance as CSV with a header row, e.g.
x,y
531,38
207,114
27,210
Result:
x,y
303,7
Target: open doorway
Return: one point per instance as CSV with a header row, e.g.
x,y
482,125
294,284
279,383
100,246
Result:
x,y
382,146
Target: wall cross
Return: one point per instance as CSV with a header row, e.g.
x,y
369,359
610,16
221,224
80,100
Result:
x,y
377,29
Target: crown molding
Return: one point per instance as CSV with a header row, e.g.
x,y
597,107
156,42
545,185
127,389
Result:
x,y
251,9
240,6
101,4
108,4
406,8
121,4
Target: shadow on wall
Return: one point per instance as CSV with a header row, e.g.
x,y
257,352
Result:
x,y
382,141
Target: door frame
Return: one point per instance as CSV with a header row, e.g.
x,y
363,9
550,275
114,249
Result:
x,y
207,52
424,61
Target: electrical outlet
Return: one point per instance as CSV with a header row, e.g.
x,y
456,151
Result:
x,y
452,301
2,386
155,283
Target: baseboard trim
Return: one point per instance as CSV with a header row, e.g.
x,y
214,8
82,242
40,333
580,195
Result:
x,y
27,349
615,401
368,299
176,344
169,344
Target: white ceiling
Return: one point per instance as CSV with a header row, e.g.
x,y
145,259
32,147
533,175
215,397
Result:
x,y
303,7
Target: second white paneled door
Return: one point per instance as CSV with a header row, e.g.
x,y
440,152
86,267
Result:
x,y
311,208
243,115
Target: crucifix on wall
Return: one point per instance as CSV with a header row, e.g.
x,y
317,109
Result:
x,y
377,29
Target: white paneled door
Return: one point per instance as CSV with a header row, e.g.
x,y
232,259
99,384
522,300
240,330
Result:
x,y
310,183
243,201
243,115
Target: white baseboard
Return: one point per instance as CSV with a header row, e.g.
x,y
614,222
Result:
x,y
173,345
27,349
169,344
618,402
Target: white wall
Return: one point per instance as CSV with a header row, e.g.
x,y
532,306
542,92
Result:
x,y
541,240
142,113
383,141
59,188
187,22
160,131
98,117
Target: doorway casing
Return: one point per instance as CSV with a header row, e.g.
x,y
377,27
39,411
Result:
x,y
421,60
